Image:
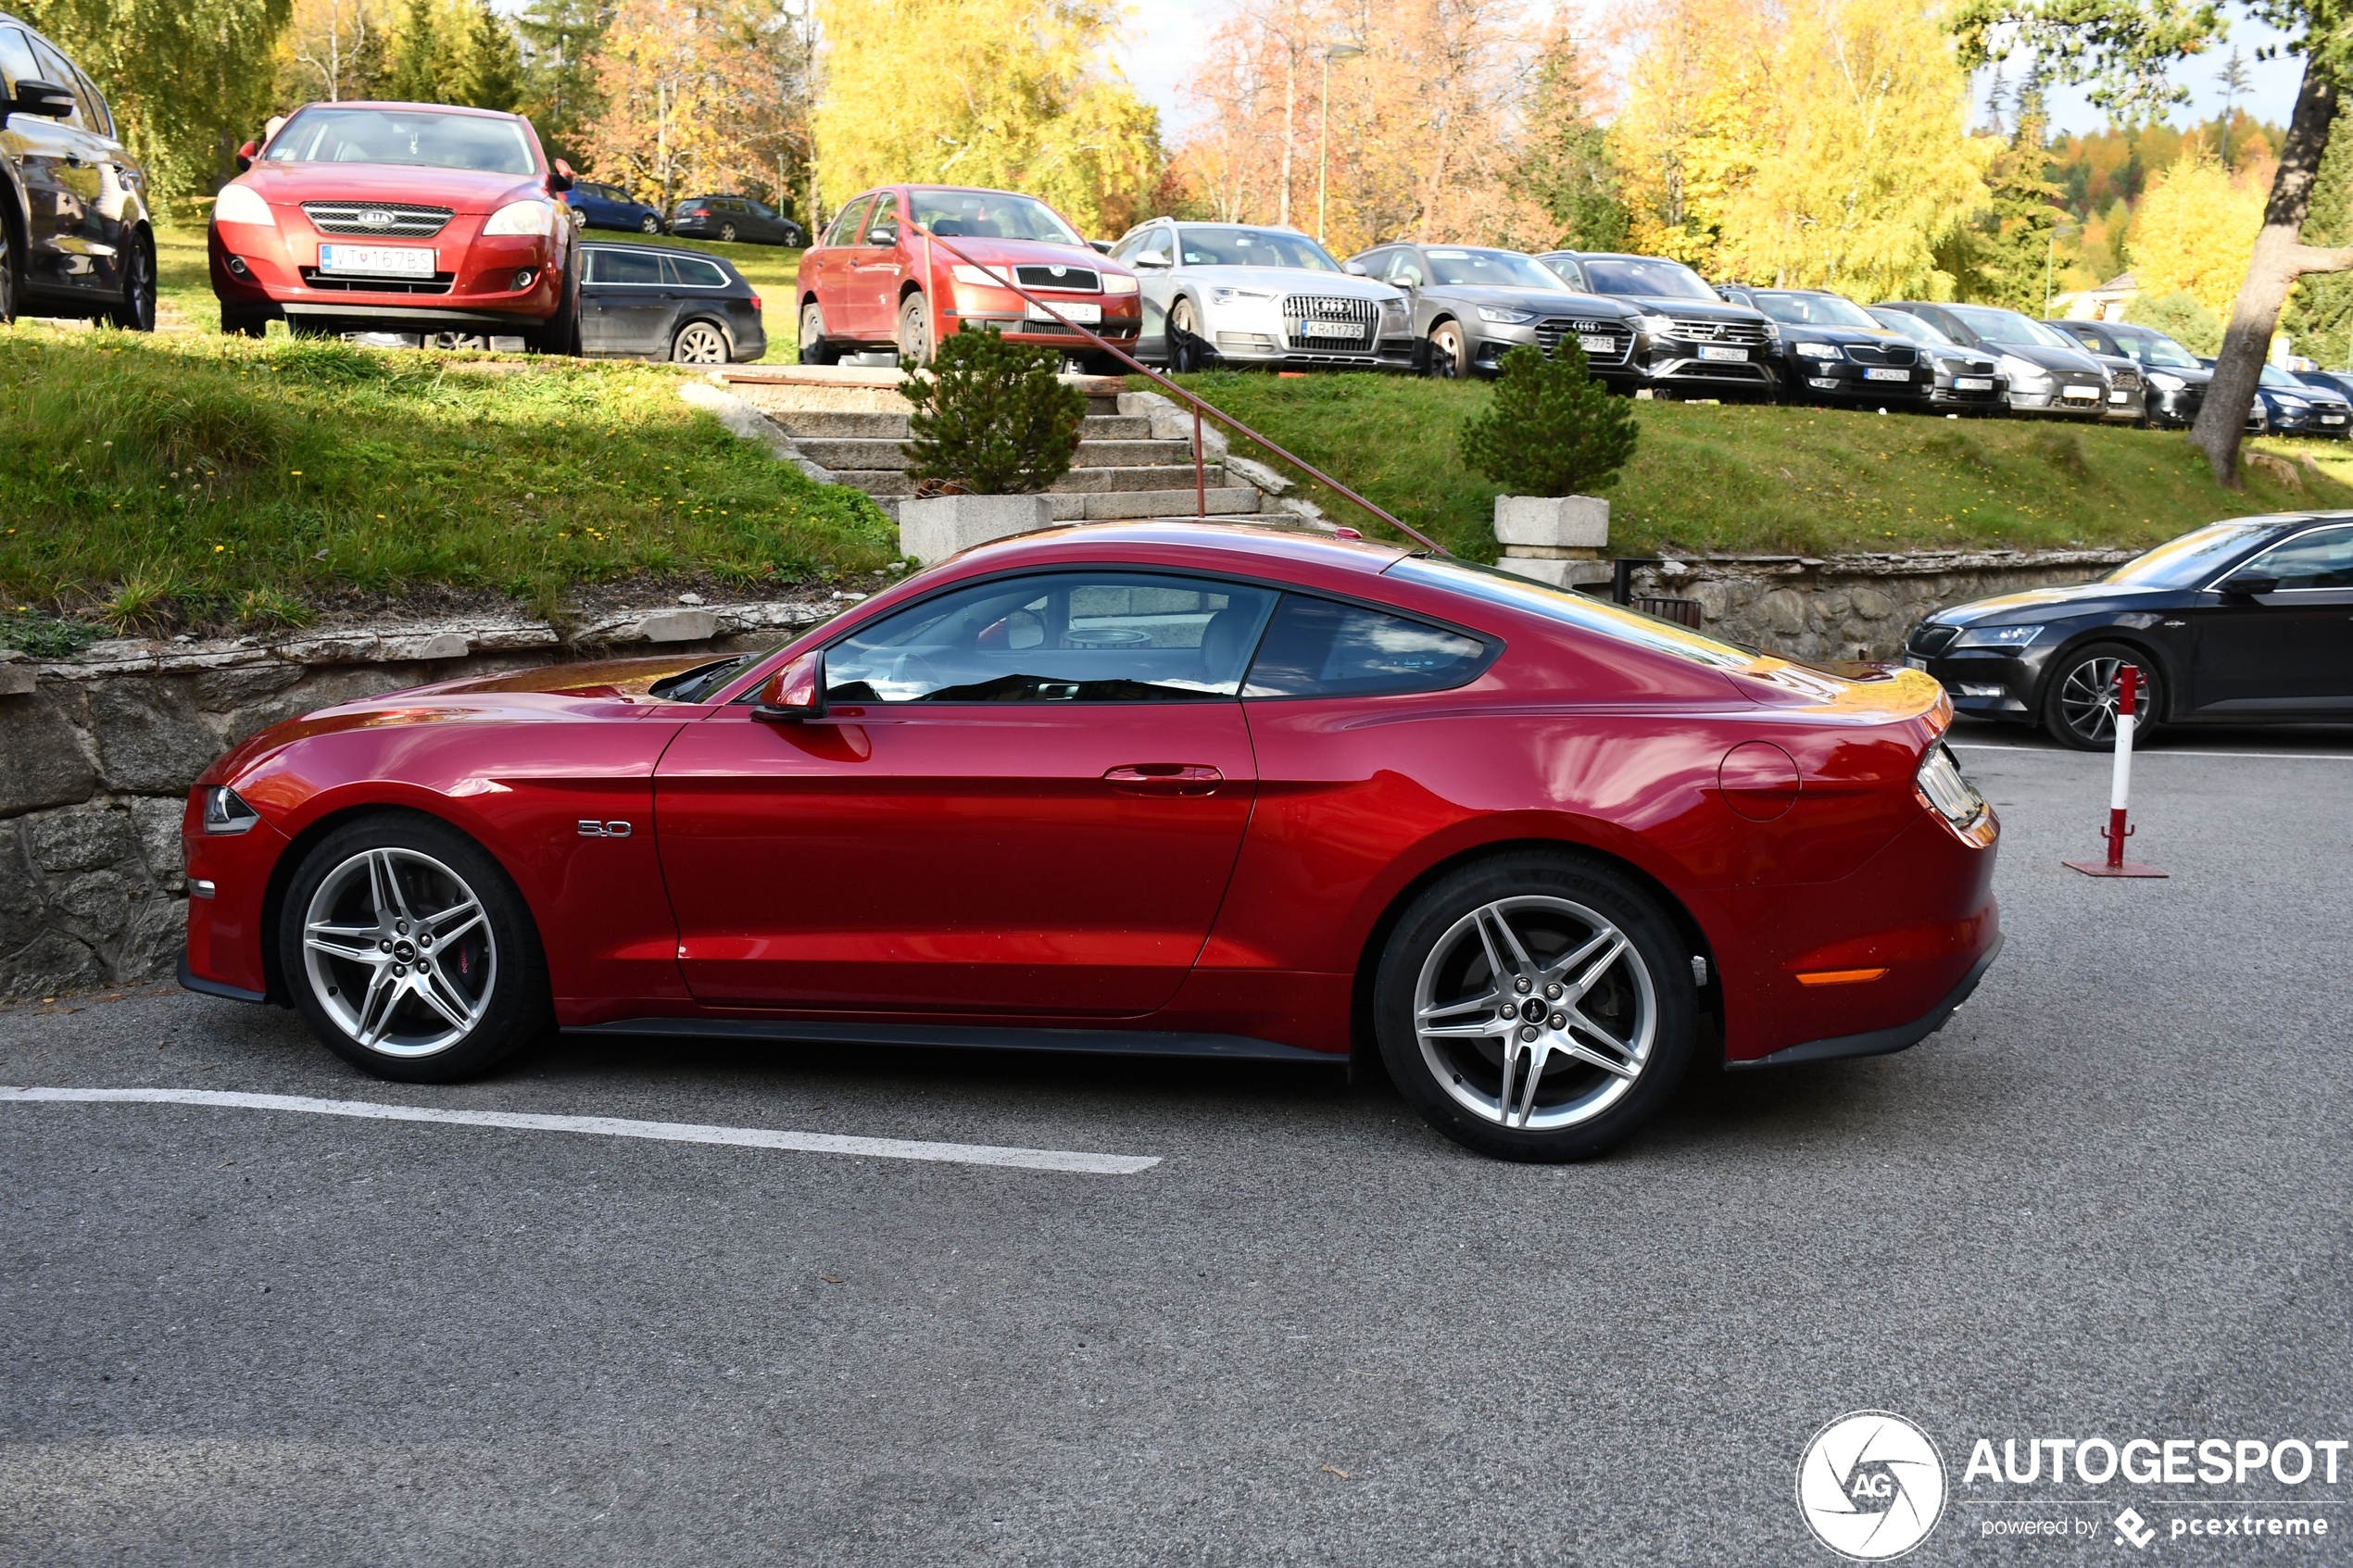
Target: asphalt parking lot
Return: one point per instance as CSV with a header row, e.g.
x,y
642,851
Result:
x,y
2109,1198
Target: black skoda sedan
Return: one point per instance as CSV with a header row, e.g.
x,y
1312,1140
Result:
x,y
2244,622
656,302
1831,351
1968,380
1687,342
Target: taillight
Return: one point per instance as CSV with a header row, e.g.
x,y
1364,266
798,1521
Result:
x,y
1944,788
755,302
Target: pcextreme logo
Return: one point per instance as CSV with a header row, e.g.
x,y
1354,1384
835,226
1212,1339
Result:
x,y
1871,1486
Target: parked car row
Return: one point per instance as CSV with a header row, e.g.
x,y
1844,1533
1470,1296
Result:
x,y
730,219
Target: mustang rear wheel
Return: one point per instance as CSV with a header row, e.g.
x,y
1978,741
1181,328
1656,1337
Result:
x,y
1535,1006
2079,705
409,953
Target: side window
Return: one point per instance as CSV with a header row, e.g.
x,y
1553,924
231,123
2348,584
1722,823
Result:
x,y
1065,636
101,116
884,216
2322,558
695,273
1128,246
54,68
623,266
760,209
1317,648
1404,270
849,223
16,60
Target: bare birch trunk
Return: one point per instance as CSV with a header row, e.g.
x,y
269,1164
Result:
x,y
2280,258
1290,60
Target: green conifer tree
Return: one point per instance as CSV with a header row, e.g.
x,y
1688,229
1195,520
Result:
x,y
560,40
2015,262
489,74
1566,169
416,56
2319,319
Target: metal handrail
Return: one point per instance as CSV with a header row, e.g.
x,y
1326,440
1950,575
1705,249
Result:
x,y
1201,406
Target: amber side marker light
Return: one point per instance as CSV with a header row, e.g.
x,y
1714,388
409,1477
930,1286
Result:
x,y
1839,976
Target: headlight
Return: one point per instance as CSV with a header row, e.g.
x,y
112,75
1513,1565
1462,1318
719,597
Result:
x,y
1772,331
2164,383
1943,787
1491,313
1118,282
1656,326
2026,370
2296,404
223,812
981,276
530,215
1235,296
1998,636
240,203
1817,350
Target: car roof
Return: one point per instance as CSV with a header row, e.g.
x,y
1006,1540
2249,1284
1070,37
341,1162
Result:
x,y
657,250
403,104
1273,542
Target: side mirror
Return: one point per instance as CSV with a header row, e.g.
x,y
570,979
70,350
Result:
x,y
1101,247
881,234
44,98
795,692
2249,584
560,177
1355,268
246,155
1150,258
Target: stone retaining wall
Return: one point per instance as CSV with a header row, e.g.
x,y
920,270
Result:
x,y
1854,607
97,754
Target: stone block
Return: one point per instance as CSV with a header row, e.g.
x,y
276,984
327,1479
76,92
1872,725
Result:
x,y
1558,573
150,740
48,965
42,763
98,903
1562,521
152,941
85,838
220,690
155,818
20,891
16,674
679,626
932,530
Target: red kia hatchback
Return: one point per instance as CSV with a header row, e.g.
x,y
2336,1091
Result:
x,y
414,218
876,280
1172,788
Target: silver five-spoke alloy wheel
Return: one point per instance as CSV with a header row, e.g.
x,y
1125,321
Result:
x,y
1535,1012
398,952
700,343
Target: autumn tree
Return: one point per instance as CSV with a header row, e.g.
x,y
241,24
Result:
x,y
687,105
2194,231
331,50
188,79
1864,162
1015,94
1692,129
2125,48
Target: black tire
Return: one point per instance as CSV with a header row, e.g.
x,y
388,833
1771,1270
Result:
x,y
561,334
649,224
915,328
245,320
702,342
1449,352
8,282
498,975
1556,902
2079,695
815,349
137,311
1185,349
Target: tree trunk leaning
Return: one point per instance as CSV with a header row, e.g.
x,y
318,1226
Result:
x,y
2280,258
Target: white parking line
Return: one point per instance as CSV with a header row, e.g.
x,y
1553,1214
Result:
x,y
613,1127
2153,753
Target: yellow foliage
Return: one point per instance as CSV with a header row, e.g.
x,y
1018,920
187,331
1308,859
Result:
x,y
1693,130
1009,94
1865,164
2194,231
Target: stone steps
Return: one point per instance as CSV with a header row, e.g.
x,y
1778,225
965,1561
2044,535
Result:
x,y
805,425
1077,482
866,454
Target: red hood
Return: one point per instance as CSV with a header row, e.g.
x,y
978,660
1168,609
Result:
x,y
288,184
983,251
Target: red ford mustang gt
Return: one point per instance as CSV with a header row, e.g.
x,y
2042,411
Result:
x,y
1152,787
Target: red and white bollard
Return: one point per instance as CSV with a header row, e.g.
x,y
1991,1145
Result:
x,y
2128,682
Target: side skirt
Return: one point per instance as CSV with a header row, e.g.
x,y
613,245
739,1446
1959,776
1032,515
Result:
x,y
1882,1042
1094,1042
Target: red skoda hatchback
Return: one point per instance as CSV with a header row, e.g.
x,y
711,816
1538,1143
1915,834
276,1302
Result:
x,y
1172,788
876,280
414,218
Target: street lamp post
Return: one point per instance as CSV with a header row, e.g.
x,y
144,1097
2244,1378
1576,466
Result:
x,y
1324,130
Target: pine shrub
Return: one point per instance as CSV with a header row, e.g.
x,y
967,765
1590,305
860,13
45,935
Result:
x,y
1551,430
993,417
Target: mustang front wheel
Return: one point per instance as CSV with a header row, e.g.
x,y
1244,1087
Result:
x,y
1535,1006
409,953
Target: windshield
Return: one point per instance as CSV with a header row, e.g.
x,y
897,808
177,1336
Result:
x,y
1814,311
1574,609
989,215
1492,268
2188,561
2154,348
419,138
1913,327
2008,327
1669,279
1253,248
2280,380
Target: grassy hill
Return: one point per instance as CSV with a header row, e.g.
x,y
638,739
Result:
x,y
1777,480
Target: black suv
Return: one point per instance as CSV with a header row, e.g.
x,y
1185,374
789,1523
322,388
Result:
x,y
75,235
1833,351
1687,342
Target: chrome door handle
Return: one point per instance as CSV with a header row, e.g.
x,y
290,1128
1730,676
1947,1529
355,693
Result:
x,y
1165,778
